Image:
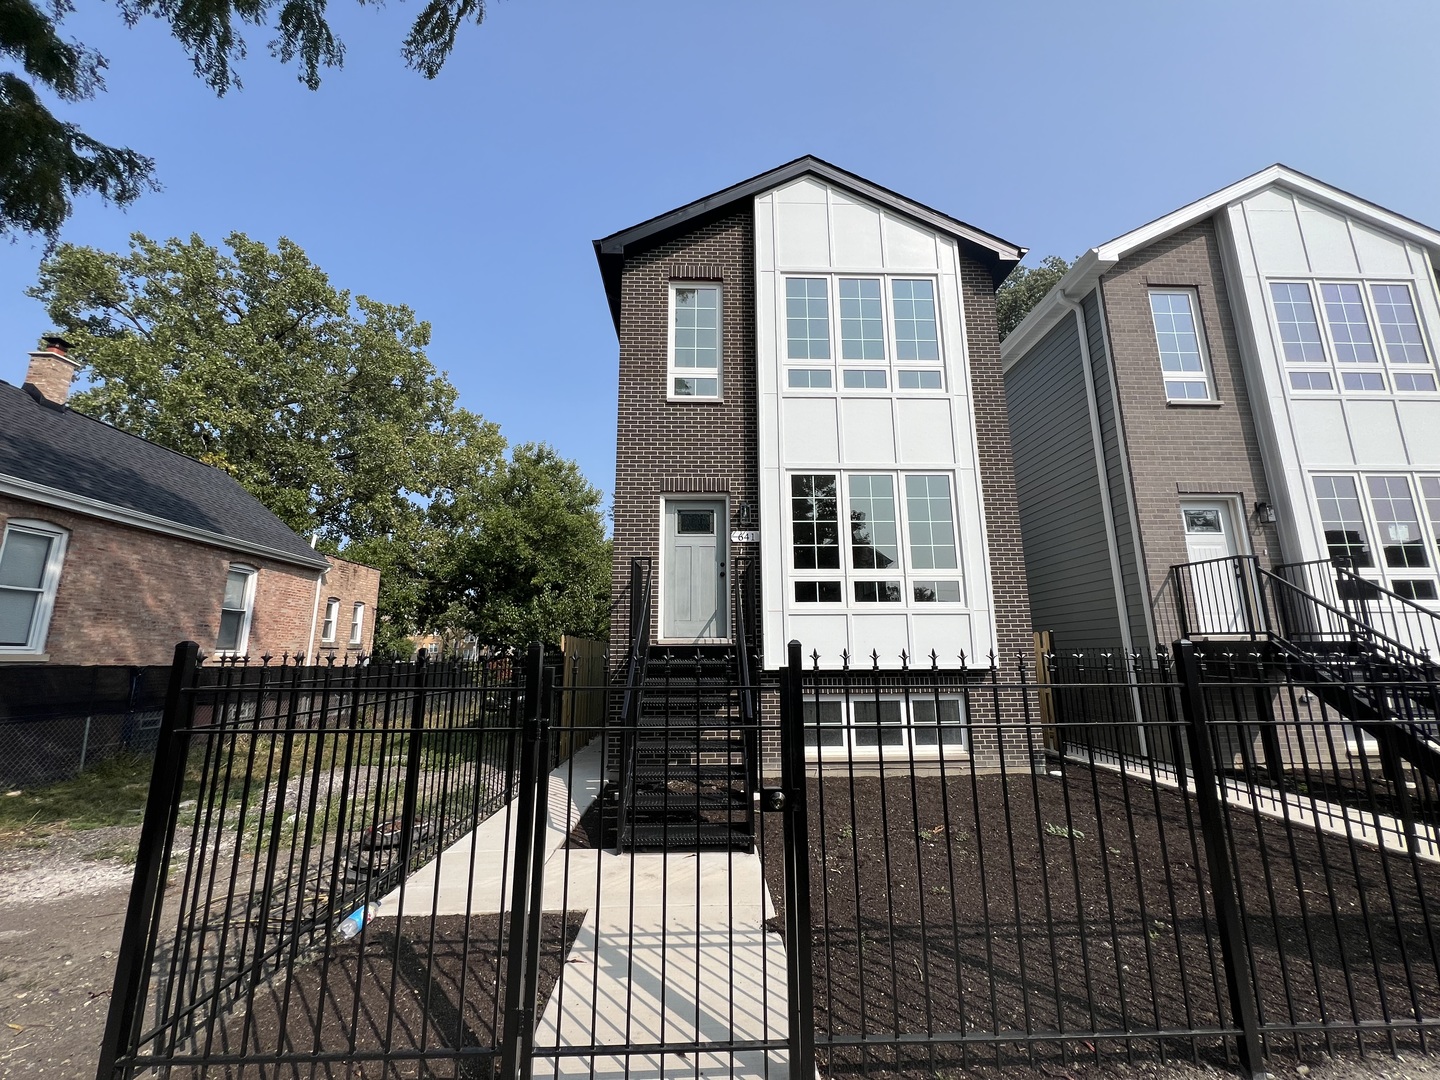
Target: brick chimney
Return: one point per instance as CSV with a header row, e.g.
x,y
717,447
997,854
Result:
x,y
51,370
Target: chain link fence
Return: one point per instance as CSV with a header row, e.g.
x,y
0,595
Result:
x,y
57,721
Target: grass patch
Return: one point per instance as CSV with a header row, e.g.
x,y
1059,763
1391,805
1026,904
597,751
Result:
x,y
116,851
108,794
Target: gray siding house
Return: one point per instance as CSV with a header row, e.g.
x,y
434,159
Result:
x,y
1252,374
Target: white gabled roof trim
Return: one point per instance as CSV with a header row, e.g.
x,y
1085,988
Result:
x,y
79,504
1088,269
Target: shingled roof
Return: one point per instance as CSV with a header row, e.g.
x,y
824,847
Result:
x,y
49,452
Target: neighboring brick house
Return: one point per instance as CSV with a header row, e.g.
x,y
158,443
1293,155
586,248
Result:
x,y
810,403
113,549
1252,374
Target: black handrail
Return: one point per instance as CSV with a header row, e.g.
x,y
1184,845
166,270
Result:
x,y
636,669
1372,602
748,692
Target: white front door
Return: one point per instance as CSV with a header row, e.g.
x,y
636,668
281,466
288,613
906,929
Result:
x,y
1215,587
694,568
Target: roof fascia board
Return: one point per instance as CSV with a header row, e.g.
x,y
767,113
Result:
x,y
617,243
79,504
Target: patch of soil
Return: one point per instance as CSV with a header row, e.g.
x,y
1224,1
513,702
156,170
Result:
x,y
57,967
988,908
400,987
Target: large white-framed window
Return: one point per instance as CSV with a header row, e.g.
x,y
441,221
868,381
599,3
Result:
x,y
887,727
31,554
856,332
695,325
899,543
329,623
1353,337
1376,522
237,606
357,622
1184,364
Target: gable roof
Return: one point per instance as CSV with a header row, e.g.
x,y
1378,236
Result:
x,y
54,455
1089,268
611,251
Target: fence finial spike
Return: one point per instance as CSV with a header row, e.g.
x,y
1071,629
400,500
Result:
x,y
904,660
875,659
844,659
815,659
963,661
934,660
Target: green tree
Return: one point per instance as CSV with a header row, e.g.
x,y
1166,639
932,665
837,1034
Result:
x,y
1023,289
529,559
46,162
323,405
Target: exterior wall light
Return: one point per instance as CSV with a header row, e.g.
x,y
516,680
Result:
x,y
1265,512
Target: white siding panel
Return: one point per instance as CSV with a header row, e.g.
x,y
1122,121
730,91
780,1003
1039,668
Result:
x,y
803,234
809,430
926,432
946,635
1327,241
826,634
857,235
1379,254
1420,425
764,232
1375,433
908,247
869,431
888,635
1320,433
1276,238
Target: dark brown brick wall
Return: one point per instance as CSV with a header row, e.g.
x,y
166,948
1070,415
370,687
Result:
x,y
666,446
1176,450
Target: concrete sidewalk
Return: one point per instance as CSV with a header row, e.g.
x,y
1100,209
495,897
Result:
x,y
673,947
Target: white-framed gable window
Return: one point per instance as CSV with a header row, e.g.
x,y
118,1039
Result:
x,y
1183,362
237,605
31,553
332,616
357,622
694,340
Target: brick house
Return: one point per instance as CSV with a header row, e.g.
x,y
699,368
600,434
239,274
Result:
x,y
113,549
1252,374
811,415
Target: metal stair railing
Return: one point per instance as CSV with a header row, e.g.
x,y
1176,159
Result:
x,y
1396,617
636,664
749,694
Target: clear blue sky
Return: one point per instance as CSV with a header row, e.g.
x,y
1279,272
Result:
x,y
474,198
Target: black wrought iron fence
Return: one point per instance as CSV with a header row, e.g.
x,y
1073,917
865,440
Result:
x,y
1265,887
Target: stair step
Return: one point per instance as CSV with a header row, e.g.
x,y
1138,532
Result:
x,y
708,836
689,774
686,802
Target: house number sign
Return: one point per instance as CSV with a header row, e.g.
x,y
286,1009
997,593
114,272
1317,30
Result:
x,y
745,536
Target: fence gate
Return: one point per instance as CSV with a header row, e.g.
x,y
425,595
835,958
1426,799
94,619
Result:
x,y
387,867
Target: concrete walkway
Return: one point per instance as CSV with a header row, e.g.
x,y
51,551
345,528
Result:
x,y
673,947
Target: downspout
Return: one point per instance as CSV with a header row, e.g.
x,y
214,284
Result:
x,y
1112,544
315,612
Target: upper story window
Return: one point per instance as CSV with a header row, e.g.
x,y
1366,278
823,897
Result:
x,y
1343,352
882,324
1182,352
807,319
332,616
695,341
30,556
878,568
357,623
1374,522
236,606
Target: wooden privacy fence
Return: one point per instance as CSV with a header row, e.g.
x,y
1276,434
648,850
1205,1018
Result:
x,y
582,706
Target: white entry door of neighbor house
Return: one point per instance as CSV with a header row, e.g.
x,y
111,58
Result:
x,y
694,571
1216,597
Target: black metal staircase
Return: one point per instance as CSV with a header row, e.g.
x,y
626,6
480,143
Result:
x,y
689,742
1365,651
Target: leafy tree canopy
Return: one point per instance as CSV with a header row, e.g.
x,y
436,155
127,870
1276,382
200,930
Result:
x,y
1023,289
46,162
530,560
323,406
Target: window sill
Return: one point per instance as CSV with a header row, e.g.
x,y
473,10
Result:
x,y
1193,404
695,400
24,657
